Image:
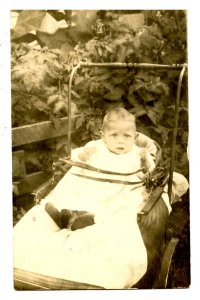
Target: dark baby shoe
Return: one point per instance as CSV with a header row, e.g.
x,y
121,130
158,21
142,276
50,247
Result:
x,y
60,218
83,221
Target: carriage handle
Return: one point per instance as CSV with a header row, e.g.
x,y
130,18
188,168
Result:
x,y
181,67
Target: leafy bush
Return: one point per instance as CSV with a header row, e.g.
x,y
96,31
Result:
x,y
40,77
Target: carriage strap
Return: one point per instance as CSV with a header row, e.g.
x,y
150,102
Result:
x,y
152,199
159,179
91,168
110,180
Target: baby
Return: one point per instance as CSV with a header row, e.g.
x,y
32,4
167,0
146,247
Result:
x,y
117,151
116,250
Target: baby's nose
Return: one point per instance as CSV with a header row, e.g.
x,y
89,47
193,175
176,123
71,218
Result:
x,y
120,140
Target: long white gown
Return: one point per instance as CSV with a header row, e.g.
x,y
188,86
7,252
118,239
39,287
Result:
x,y
110,253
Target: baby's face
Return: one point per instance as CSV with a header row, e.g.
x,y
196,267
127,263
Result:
x,y
119,137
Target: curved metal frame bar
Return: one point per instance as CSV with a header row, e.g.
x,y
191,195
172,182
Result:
x,y
181,67
176,116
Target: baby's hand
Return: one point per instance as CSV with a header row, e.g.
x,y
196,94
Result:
x,y
87,153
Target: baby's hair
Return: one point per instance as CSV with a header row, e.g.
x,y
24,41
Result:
x,y
118,114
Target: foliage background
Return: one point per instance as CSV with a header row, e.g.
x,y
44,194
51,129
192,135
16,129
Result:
x,y
47,44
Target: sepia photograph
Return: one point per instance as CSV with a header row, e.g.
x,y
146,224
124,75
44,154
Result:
x,y
100,168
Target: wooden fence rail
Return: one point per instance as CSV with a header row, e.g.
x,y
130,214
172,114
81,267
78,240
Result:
x,y
24,183
39,131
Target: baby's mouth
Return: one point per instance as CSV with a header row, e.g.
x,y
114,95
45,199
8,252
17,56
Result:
x,y
120,148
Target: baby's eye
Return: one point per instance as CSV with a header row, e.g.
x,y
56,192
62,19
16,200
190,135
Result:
x,y
114,134
127,135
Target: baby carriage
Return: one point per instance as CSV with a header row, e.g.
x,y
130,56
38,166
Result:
x,y
153,218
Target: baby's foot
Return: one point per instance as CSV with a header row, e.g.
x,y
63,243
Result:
x,y
83,221
53,213
64,218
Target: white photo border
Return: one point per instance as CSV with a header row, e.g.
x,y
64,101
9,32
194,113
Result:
x,y
6,250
